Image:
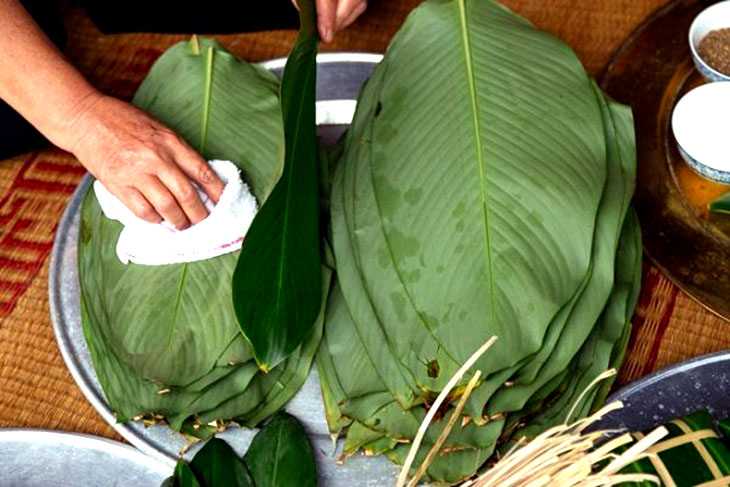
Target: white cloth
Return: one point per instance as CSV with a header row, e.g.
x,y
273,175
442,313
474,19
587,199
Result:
x,y
221,232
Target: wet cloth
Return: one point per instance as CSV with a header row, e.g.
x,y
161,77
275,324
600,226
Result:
x,y
220,233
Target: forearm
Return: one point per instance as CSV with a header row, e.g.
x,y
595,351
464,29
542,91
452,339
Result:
x,y
37,80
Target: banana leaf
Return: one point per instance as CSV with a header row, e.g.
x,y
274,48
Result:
x,y
482,190
481,280
164,340
616,196
277,289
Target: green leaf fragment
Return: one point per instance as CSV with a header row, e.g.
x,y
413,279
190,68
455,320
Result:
x,y
281,455
217,465
184,476
720,204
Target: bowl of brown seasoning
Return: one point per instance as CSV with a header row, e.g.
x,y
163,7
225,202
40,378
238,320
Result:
x,y
709,42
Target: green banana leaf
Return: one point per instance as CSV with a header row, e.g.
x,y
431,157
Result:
x,y
617,193
164,340
480,280
277,282
482,190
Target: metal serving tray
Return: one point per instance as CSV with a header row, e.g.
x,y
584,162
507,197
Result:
x,y
37,458
339,79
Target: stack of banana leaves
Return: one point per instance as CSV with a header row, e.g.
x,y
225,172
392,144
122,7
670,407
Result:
x,y
164,339
483,190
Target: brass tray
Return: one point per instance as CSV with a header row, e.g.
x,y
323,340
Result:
x,y
650,72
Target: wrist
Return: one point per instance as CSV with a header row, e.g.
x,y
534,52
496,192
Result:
x,y
76,122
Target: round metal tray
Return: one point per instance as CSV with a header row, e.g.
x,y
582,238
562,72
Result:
x,y
33,458
339,78
650,72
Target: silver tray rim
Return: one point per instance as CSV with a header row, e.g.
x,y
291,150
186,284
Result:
x,y
85,442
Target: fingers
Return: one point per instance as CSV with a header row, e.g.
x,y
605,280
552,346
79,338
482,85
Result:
x,y
184,193
139,205
326,16
333,15
163,201
348,11
198,169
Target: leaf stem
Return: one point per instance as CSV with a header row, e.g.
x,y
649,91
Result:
x,y
209,54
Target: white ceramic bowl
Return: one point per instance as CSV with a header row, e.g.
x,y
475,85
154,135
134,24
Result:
x,y
714,17
701,126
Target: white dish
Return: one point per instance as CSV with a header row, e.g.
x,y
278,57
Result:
x,y
701,126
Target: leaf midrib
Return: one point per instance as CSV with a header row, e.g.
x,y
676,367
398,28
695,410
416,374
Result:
x,y
205,118
295,141
480,160
275,473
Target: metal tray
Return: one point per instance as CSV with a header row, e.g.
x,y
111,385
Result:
x,y
699,383
37,458
339,78
650,72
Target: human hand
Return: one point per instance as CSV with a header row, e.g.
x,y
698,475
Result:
x,y
142,162
335,15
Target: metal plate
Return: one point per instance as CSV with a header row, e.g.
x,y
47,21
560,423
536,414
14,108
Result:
x,y
699,383
38,458
650,72
340,76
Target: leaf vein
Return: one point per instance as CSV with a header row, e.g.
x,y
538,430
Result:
x,y
466,45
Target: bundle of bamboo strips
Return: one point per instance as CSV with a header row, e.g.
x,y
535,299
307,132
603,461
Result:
x,y
563,456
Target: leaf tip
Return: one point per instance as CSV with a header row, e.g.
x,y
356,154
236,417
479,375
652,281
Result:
x,y
195,44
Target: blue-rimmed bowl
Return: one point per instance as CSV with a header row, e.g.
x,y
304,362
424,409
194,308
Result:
x,y
701,126
714,17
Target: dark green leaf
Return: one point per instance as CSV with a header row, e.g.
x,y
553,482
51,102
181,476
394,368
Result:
x,y
183,476
281,456
721,204
277,282
217,465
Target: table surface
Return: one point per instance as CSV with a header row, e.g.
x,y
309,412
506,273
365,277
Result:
x,y
36,389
